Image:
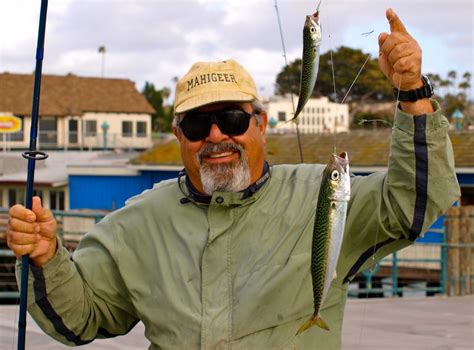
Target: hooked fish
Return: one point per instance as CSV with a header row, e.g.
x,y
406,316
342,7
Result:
x,y
331,212
310,63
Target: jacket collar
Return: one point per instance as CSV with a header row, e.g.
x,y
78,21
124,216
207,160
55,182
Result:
x,y
195,196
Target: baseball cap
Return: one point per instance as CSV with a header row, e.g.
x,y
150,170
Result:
x,y
209,82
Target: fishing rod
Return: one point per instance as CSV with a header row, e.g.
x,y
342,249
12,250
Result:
x,y
32,155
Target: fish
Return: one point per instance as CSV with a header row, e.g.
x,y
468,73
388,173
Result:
x,y
312,37
331,212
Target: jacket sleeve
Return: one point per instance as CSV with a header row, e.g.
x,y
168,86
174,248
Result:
x,y
388,211
77,302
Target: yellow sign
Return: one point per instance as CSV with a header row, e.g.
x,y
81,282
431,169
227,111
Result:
x,y
9,124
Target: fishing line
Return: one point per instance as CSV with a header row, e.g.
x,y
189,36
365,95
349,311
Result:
x,y
373,265
371,271
289,80
372,268
357,76
333,74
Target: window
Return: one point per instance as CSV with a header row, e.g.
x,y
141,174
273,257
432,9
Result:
x,y
48,130
281,116
56,200
18,136
141,129
91,128
127,129
73,128
17,195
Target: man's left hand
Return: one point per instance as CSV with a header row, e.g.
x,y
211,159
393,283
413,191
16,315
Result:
x,y
400,55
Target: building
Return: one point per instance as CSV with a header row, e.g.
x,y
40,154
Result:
x,y
318,116
79,180
77,112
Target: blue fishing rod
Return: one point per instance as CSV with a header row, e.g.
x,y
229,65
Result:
x,y
32,155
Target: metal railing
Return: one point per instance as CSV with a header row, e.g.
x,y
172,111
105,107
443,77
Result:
x,y
391,286
69,238
75,140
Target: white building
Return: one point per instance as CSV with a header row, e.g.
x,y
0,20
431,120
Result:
x,y
318,116
76,112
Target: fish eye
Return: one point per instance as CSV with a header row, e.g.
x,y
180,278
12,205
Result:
x,y
312,29
335,175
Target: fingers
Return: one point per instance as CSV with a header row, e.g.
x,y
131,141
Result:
x,y
406,65
382,37
20,212
400,52
391,41
15,224
396,24
22,235
22,243
41,213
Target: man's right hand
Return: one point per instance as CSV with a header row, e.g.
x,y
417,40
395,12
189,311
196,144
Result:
x,y
32,232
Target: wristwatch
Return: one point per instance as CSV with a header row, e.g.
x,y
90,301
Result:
x,y
425,91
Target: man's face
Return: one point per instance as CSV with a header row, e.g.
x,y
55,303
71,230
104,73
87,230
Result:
x,y
223,162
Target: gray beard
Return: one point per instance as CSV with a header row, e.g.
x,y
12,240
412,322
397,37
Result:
x,y
230,177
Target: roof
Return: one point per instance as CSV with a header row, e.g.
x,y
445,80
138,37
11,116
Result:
x,y
365,149
70,95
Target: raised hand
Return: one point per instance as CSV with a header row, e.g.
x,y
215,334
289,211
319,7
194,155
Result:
x,y
400,55
32,232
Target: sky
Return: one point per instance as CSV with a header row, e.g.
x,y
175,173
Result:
x,y
158,40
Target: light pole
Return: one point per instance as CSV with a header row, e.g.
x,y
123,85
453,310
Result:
x,y
102,51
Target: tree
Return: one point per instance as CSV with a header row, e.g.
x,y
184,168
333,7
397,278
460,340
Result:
x,y
451,102
163,117
371,85
466,84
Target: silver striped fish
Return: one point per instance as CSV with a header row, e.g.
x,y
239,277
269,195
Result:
x,y
310,63
331,212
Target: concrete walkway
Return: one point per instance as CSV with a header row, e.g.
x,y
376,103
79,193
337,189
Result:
x,y
435,323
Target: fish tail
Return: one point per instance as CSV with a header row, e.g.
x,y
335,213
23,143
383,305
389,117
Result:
x,y
313,320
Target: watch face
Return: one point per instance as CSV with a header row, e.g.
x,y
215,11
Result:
x,y
427,82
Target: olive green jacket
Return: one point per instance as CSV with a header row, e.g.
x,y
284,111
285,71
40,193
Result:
x,y
236,273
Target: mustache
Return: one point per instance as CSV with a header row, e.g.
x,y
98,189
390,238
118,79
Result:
x,y
209,148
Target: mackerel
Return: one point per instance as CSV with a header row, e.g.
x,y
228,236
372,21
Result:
x,y
331,212
310,63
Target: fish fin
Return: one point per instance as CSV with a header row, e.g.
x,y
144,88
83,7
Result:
x,y
294,119
321,323
313,320
334,276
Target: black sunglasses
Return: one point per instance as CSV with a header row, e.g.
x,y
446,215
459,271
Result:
x,y
196,125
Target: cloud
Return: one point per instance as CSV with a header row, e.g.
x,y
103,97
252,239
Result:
x,y
156,40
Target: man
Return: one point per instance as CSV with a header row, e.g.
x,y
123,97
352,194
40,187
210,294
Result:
x,y
220,257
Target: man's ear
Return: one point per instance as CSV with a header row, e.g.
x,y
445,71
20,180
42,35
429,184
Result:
x,y
263,122
263,125
177,132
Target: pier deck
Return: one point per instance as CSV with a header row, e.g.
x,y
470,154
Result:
x,y
386,323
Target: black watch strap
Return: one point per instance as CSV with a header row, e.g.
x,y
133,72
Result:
x,y
426,91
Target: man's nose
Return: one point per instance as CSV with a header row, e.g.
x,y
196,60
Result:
x,y
216,135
